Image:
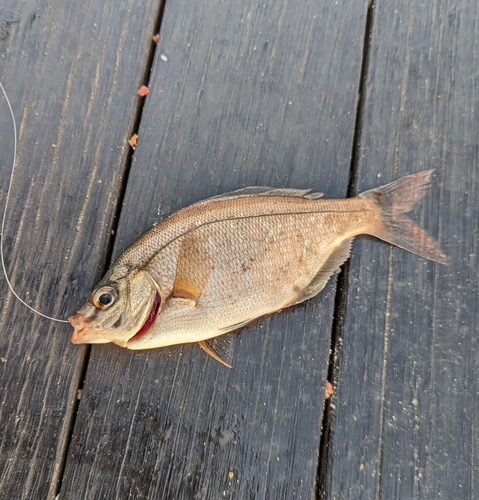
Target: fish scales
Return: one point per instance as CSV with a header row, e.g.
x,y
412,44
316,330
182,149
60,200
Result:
x,y
244,259
255,222
223,262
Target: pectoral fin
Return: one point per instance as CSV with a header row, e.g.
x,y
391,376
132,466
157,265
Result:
x,y
175,303
220,348
193,269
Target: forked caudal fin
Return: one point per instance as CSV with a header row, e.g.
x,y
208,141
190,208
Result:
x,y
393,201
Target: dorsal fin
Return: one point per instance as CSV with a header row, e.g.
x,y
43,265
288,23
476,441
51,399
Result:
x,y
269,191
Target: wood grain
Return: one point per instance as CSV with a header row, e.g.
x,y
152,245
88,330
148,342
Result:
x,y
71,70
407,408
241,93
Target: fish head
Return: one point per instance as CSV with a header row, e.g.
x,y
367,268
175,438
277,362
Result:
x,y
118,308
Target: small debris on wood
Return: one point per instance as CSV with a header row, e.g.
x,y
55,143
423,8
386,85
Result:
x,y
143,91
112,232
328,390
79,394
163,57
156,38
132,142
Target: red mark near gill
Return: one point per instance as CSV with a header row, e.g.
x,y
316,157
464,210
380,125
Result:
x,y
151,318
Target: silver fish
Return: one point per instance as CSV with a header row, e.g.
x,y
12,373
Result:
x,y
219,264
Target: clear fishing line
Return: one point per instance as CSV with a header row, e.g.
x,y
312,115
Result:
x,y
5,214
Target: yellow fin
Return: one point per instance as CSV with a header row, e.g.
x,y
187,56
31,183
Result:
x,y
219,348
193,269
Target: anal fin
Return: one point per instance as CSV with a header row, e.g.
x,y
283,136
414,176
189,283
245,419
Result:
x,y
331,266
236,326
220,348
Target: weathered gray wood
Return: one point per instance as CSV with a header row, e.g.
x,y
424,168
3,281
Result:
x,y
71,70
407,397
250,94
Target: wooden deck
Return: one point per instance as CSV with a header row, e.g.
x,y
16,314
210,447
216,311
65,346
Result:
x,y
339,96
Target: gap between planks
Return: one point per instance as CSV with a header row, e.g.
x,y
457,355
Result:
x,y
82,363
342,285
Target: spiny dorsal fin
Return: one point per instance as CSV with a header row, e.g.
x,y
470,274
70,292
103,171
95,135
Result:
x,y
220,348
269,191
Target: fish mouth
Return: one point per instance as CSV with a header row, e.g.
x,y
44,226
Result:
x,y
81,329
79,326
150,320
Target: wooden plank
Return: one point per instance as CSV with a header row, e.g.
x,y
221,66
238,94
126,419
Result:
x,y
407,408
71,71
242,93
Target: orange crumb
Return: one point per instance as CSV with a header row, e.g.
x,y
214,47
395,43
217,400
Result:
x,y
134,139
328,389
143,91
156,38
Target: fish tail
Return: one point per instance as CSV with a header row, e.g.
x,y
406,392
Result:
x,y
393,201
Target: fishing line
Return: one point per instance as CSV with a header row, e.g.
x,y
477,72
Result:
x,y
5,214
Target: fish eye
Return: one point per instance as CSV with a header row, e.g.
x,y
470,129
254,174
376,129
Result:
x,y
105,297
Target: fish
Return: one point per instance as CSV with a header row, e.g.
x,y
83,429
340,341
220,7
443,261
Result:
x,y
219,264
